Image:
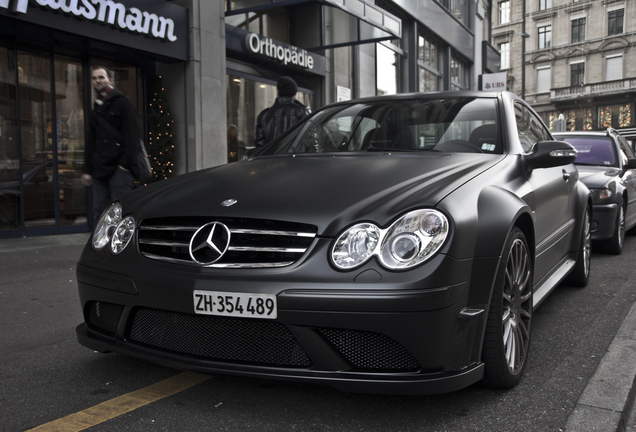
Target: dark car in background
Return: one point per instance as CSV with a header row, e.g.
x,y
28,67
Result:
x,y
396,244
607,165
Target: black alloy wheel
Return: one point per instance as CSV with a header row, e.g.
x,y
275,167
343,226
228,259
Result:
x,y
507,338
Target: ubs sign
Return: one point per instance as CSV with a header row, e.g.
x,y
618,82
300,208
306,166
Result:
x,y
156,21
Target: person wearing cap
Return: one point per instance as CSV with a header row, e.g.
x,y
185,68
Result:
x,y
286,112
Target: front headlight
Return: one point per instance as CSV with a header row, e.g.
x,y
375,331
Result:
x,y
601,194
112,228
409,241
123,233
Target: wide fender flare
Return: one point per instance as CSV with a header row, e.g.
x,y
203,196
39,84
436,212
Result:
x,y
499,210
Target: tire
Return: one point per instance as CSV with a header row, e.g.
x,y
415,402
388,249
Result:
x,y
581,273
615,244
507,337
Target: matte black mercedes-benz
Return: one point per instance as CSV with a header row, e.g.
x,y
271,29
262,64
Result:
x,y
395,244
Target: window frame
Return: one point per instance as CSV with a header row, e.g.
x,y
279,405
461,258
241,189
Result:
x,y
544,36
577,29
613,18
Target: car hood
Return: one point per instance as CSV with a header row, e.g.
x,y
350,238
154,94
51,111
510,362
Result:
x,y
323,190
596,177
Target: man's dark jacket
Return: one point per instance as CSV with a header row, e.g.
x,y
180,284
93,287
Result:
x,y
276,119
105,151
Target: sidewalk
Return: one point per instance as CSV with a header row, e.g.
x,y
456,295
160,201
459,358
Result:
x,y
607,403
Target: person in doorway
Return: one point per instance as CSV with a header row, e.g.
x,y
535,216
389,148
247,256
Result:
x,y
113,142
286,112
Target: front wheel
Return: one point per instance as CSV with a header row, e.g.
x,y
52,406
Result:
x,y
615,244
581,273
507,338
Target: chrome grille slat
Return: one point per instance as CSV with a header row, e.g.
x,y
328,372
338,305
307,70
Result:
x,y
254,243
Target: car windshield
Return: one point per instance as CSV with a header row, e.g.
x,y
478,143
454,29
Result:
x,y
593,150
444,125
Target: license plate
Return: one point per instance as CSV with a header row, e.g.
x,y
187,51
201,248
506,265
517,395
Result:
x,y
235,304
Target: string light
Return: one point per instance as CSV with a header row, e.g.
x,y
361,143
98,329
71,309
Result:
x,y
161,141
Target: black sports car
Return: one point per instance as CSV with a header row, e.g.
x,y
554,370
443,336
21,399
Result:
x,y
392,244
607,166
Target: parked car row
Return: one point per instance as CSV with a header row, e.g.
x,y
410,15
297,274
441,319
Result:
x,y
606,163
405,256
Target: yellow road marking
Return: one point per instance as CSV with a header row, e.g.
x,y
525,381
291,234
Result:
x,y
122,404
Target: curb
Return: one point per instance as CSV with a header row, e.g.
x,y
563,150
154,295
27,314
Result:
x,y
607,402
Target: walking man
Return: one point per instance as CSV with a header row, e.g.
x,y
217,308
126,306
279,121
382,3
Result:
x,y
285,112
113,142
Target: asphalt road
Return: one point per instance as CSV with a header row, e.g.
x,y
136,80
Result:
x,y
47,375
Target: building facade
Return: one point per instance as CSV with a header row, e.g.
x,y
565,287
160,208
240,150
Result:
x,y
212,66
574,60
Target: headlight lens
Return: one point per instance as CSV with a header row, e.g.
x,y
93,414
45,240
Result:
x,y
123,233
602,194
106,225
409,241
113,229
355,246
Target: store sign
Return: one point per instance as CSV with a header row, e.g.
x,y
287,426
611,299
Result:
x,y
252,47
285,53
494,82
106,11
159,21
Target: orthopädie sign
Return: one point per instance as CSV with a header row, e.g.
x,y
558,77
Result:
x,y
105,11
285,53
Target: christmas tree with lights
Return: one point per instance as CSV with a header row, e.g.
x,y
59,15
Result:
x,y
160,140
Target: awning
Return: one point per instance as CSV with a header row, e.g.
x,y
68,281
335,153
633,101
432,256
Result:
x,y
322,24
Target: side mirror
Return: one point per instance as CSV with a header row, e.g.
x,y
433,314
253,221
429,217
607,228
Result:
x,y
548,154
631,164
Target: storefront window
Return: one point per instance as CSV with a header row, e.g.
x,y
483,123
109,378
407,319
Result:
x,y
459,74
615,116
580,119
428,61
70,140
38,137
387,67
10,197
246,98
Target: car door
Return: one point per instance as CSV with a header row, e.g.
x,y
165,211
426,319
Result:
x,y
552,196
628,180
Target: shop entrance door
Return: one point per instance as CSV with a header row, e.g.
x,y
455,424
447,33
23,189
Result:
x,y
41,144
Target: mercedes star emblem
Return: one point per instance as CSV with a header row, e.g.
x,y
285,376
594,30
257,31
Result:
x,y
209,243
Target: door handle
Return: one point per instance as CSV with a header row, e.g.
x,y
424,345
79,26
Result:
x,y
566,175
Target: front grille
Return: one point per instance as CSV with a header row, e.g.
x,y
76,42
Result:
x,y
219,338
370,351
104,316
253,243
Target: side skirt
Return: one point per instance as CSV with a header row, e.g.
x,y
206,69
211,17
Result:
x,y
548,284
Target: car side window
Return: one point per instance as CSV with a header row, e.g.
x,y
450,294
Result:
x,y
626,149
529,127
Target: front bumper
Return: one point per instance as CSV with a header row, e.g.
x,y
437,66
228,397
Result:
x,y
369,332
604,222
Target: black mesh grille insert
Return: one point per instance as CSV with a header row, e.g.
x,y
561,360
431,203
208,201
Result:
x,y
104,316
219,338
370,351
